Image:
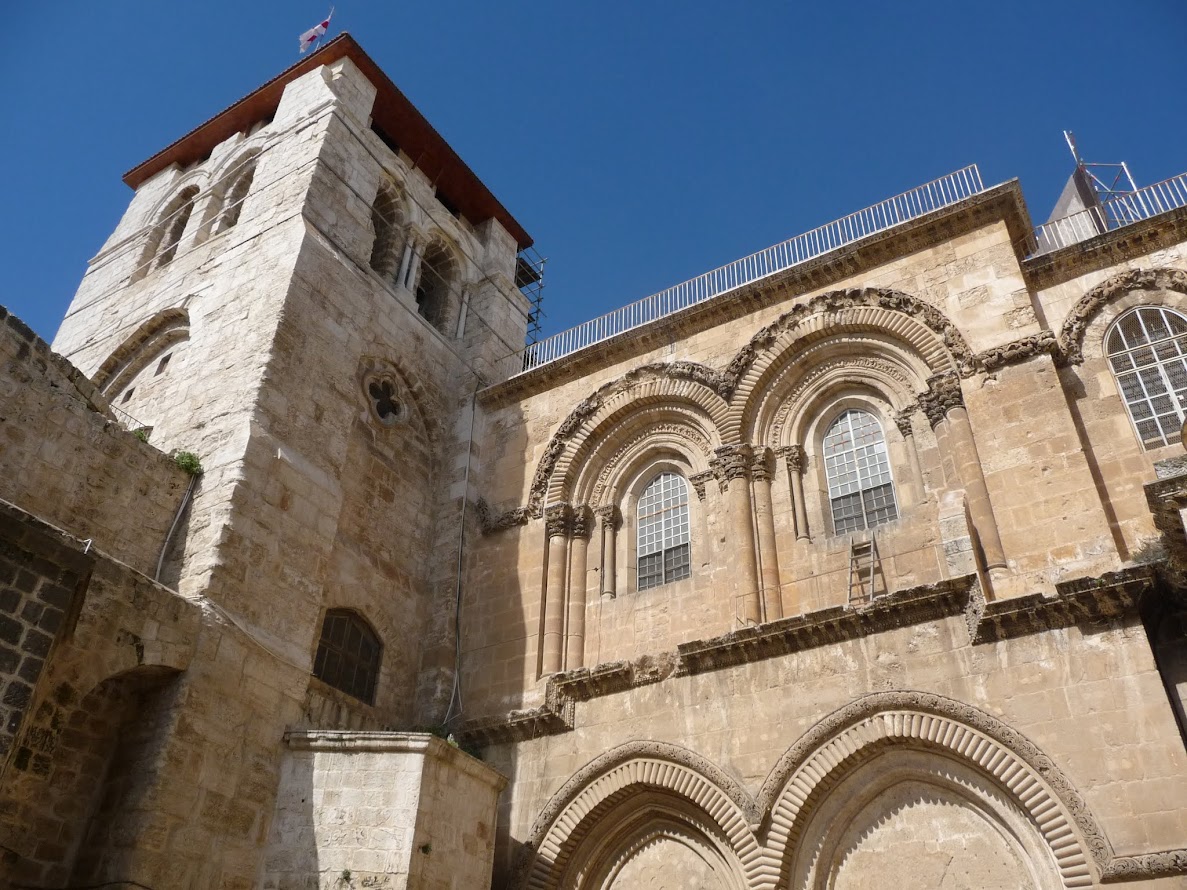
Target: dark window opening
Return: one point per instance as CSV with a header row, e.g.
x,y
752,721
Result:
x,y
128,395
435,284
162,365
348,655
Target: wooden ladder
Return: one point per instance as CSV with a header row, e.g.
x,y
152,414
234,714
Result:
x,y
864,564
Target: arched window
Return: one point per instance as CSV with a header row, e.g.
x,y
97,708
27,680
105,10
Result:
x,y
860,488
1147,350
236,194
387,218
438,274
348,654
166,234
663,553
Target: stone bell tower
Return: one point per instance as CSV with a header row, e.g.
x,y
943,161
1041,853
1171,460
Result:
x,y
305,291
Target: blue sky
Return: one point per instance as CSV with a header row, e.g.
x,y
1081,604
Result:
x,y
639,143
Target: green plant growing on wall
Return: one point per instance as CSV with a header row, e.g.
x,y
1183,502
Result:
x,y
142,433
189,462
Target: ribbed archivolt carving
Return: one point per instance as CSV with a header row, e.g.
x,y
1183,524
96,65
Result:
x,y
1071,335
765,833
722,394
613,777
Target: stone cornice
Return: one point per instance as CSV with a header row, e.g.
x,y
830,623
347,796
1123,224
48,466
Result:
x,y
1086,600
1000,203
1106,250
1111,597
423,743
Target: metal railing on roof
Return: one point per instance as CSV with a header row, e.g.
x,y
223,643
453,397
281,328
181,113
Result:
x,y
917,202
1123,209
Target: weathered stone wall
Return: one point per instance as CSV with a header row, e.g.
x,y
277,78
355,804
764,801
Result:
x,y
391,810
107,644
1086,695
771,377
65,454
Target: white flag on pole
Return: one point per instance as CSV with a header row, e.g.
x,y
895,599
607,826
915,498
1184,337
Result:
x,y
314,34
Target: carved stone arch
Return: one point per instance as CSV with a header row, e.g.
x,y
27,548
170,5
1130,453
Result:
x,y
924,338
610,780
642,438
849,737
675,382
870,361
170,220
652,418
1141,283
232,185
645,822
166,327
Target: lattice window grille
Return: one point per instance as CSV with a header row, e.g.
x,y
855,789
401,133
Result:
x,y
348,655
1147,351
860,486
663,539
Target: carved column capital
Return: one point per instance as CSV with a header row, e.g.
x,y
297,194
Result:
x,y
608,516
731,462
943,394
698,481
761,469
903,421
795,456
558,520
582,525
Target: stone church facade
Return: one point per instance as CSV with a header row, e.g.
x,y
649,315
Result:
x,y
869,570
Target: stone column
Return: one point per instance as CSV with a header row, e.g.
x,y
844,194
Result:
x,y
943,404
609,519
903,421
797,462
575,629
405,262
558,520
768,555
731,466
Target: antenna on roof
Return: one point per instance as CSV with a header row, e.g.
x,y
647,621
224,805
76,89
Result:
x,y
1097,198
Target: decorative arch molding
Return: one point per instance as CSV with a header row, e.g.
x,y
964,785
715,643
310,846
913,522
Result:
x,y
773,416
1071,335
913,321
654,418
163,329
608,780
852,735
658,382
630,443
628,838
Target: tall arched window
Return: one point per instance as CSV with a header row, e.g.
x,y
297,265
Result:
x,y
1147,350
348,654
438,278
236,194
387,218
663,553
860,488
166,234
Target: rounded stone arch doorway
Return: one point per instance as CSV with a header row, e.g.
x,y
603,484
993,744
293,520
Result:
x,y
911,818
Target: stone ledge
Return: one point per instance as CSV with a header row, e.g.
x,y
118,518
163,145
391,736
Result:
x,y
1083,600
422,743
1105,250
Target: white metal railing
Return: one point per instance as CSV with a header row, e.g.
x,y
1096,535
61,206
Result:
x,y
917,202
1112,213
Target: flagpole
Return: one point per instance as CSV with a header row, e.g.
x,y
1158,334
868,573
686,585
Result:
x,y
320,36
